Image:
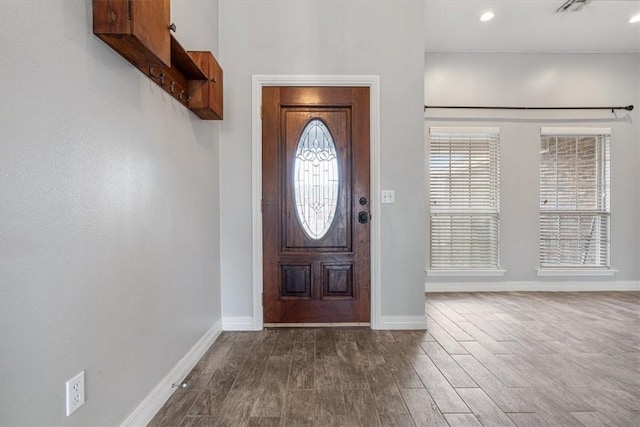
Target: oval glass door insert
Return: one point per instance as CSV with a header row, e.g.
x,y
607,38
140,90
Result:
x,y
316,179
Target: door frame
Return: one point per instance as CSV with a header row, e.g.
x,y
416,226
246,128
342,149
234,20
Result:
x,y
258,82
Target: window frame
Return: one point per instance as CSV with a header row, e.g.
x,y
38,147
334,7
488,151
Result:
x,y
602,187
492,207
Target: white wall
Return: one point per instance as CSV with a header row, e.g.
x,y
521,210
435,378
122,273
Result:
x,y
110,216
545,80
328,37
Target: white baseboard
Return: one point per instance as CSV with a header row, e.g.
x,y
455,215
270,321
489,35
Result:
x,y
148,408
533,286
402,322
237,323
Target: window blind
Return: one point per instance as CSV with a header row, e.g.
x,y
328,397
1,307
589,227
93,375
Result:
x,y
574,197
464,198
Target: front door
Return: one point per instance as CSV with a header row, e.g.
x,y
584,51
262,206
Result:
x,y
315,204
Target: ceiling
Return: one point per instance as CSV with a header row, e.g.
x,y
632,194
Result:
x,y
531,26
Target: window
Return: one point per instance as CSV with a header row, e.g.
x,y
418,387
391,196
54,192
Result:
x,y
464,197
574,198
316,180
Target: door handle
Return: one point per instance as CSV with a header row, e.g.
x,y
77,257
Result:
x,y
363,217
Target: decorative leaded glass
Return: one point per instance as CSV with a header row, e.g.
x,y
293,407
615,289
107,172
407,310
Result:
x,y
316,180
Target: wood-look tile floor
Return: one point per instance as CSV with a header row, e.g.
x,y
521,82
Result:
x,y
492,359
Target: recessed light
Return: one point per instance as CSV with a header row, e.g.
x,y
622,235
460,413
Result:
x,y
487,16
634,19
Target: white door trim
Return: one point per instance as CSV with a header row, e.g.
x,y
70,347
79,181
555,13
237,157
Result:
x,y
373,83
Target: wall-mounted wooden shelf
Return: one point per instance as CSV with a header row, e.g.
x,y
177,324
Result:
x,y
139,31
206,101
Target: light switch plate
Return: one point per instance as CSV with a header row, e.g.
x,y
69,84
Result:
x,y
388,196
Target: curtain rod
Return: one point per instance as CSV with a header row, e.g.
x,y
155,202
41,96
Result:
x,y
627,108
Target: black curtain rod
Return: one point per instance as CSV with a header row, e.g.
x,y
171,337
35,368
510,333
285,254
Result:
x,y
627,108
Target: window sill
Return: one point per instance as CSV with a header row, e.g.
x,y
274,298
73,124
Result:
x,y
576,272
466,273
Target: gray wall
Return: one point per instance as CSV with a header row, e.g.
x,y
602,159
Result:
x,y
328,37
545,80
110,216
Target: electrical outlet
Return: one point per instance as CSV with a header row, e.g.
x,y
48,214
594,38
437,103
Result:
x,y
75,393
388,196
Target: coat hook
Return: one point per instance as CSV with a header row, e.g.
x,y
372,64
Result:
x,y
214,80
172,86
162,79
183,385
151,71
172,27
188,98
181,94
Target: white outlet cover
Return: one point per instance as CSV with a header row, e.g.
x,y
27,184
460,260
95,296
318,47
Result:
x,y
388,196
75,393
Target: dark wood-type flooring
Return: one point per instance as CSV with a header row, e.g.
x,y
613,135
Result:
x,y
492,359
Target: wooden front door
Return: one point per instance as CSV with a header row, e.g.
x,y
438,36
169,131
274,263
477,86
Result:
x,y
315,204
